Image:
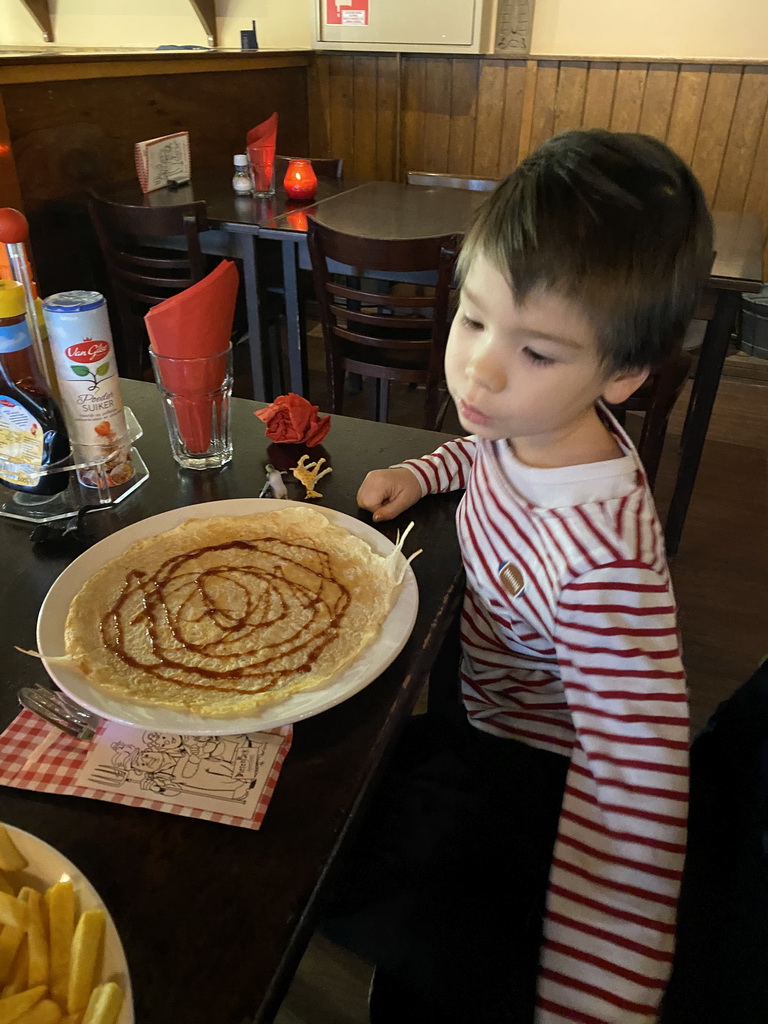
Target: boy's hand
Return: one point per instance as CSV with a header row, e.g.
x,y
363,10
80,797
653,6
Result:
x,y
388,492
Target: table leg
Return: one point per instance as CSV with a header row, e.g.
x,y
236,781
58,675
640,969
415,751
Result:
x,y
247,247
297,358
711,359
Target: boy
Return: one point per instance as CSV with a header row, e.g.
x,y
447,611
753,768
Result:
x,y
545,840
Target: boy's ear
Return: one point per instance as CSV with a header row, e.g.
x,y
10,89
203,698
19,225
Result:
x,y
619,387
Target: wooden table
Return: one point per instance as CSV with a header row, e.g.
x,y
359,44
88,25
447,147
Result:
x,y
214,918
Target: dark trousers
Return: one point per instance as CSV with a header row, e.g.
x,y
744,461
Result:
x,y
444,888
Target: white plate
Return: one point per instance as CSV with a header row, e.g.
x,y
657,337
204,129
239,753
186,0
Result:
x,y
350,680
46,866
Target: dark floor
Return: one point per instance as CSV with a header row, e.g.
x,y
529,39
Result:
x,y
720,576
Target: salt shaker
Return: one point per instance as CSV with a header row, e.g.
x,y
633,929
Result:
x,y
241,181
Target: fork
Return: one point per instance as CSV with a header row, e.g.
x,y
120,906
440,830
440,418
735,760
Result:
x,y
59,710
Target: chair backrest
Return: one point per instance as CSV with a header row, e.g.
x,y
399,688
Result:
x,y
371,328
132,239
434,180
324,167
151,253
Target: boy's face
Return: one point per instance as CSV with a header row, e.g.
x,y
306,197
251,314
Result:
x,y
524,372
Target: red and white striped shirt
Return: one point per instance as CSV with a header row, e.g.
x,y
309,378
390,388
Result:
x,y
584,660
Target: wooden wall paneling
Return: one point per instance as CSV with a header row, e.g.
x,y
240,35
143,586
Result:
x,y
341,73
319,106
387,99
82,132
461,148
687,107
364,116
743,139
628,97
514,101
715,126
598,102
412,116
756,199
491,90
571,93
544,102
437,113
658,96
10,190
529,105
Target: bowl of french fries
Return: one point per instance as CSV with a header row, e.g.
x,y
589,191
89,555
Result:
x,y
61,960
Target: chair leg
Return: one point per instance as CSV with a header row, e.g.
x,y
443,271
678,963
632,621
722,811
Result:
x,y
275,370
376,398
435,407
382,399
652,444
336,374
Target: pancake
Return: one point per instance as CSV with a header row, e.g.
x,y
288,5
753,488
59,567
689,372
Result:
x,y
226,615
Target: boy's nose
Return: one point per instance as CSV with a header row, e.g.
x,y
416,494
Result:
x,y
485,370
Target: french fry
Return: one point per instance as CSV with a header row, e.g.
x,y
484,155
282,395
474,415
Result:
x,y
12,1007
13,912
104,1005
60,904
86,945
49,959
44,1012
10,940
37,939
10,858
17,981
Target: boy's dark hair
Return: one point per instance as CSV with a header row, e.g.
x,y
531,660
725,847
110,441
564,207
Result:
x,y
615,222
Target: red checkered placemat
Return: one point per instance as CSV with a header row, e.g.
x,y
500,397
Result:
x,y
57,764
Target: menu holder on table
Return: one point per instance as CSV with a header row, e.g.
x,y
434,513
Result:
x,y
227,779
162,161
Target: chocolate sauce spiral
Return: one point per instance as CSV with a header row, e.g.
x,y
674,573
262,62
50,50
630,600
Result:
x,y
239,617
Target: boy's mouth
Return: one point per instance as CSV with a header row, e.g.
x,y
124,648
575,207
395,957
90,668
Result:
x,y
473,415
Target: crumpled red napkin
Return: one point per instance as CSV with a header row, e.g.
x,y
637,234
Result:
x,y
291,419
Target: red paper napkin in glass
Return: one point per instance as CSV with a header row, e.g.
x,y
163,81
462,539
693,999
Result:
x,y
291,419
196,324
260,143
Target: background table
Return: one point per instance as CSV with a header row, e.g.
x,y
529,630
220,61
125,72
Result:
x,y
737,268
214,918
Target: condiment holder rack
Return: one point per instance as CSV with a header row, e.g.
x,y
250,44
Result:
x,y
36,508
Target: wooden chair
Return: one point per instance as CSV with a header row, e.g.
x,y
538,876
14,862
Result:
x,y
433,180
324,167
367,332
143,273
656,399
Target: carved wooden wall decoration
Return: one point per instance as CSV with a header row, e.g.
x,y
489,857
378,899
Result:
x,y
514,22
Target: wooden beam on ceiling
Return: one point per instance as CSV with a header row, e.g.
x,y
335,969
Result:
x,y
206,12
41,13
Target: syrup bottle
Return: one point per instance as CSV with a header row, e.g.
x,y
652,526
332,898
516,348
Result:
x,y
32,431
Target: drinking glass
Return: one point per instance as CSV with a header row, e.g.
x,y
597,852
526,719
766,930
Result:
x,y
196,401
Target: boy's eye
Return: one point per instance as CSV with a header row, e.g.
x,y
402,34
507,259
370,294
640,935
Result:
x,y
536,357
472,325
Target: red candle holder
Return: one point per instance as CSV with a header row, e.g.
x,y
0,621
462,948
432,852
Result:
x,y
300,180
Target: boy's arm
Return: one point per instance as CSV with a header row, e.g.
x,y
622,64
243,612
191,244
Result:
x,y
447,468
618,859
